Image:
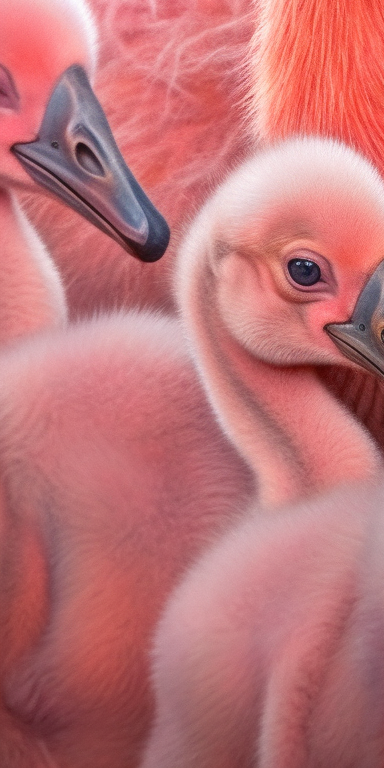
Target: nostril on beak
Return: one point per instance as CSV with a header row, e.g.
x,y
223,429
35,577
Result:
x,y
88,160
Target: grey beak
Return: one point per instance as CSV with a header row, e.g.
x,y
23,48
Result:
x,y
76,158
362,338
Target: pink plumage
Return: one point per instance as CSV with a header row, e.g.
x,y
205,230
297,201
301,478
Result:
x,y
318,70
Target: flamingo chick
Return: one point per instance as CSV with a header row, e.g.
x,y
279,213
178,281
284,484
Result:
x,y
314,71
53,129
114,473
280,251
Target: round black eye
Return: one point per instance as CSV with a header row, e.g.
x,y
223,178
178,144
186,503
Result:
x,y
304,272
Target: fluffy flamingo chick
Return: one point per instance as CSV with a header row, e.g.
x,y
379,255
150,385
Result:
x,y
279,252
256,651
53,129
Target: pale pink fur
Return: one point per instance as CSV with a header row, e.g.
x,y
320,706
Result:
x,y
114,476
270,651
32,296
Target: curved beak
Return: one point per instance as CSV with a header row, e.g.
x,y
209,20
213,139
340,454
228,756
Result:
x,y
362,338
76,158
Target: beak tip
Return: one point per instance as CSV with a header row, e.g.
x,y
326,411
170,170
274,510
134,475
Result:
x,y
159,245
156,243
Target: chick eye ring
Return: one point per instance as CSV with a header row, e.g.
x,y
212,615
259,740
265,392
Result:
x,y
308,272
304,272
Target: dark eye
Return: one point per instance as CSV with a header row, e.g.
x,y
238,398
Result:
x,y
304,272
